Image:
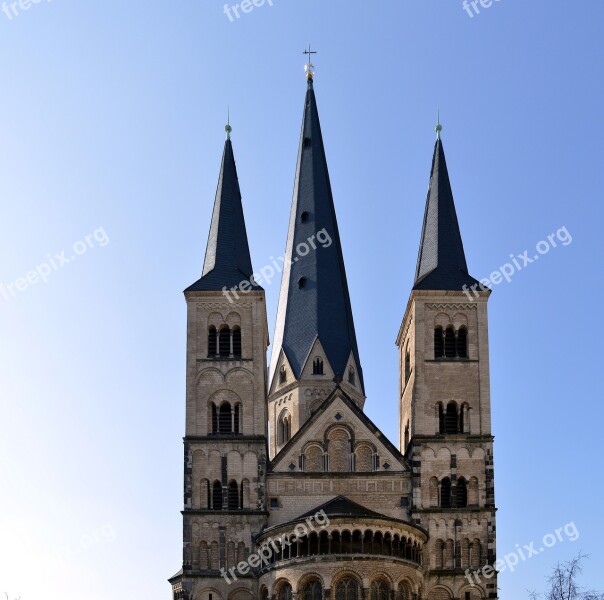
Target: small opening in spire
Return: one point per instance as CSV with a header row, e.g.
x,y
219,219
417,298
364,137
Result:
x,y
304,217
307,142
301,282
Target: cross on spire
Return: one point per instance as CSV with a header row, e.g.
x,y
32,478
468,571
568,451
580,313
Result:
x,y
309,67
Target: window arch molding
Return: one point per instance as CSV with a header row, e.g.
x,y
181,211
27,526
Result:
x,y
343,579
284,427
335,426
282,589
380,587
306,582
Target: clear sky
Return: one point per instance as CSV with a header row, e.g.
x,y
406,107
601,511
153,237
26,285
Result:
x,y
111,132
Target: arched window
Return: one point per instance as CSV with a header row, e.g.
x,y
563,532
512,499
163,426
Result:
x,y
264,594
348,589
233,496
352,380
282,374
204,556
285,593
462,343
339,450
439,344
380,590
406,436
445,493
225,342
237,342
450,343
317,367
404,591
451,419
212,342
225,418
439,554
449,554
284,428
465,553
407,366
312,591
214,556
461,493
217,496
475,553
313,459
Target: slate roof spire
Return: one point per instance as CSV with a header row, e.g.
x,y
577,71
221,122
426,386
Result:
x,y
314,301
227,260
441,262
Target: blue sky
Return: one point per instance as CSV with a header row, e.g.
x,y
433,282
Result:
x,y
111,127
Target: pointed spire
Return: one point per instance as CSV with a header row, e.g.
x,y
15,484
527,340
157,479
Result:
x,y
314,300
441,262
227,260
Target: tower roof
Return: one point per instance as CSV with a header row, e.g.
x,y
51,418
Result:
x,y
441,262
314,300
227,261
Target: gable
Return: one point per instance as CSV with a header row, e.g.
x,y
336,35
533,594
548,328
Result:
x,y
339,438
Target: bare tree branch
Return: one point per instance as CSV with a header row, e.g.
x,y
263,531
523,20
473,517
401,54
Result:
x,y
563,582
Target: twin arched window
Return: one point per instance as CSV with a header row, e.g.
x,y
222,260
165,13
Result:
x,y
317,366
453,496
224,343
237,496
284,428
450,343
453,419
352,378
226,418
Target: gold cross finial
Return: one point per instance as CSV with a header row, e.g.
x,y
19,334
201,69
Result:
x,y
309,67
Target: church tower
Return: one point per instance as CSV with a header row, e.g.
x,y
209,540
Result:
x,y
445,408
225,444
315,347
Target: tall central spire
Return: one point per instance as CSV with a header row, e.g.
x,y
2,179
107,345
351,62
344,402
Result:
x,y
314,303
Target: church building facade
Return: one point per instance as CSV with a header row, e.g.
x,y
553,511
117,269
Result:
x,y
290,490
